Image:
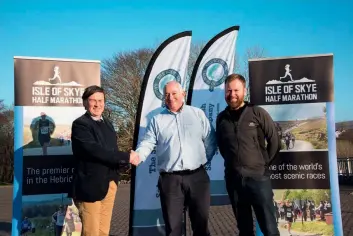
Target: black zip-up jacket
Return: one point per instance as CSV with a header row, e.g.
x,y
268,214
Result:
x,y
242,143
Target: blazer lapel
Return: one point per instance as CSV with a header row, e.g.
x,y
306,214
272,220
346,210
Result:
x,y
96,128
110,125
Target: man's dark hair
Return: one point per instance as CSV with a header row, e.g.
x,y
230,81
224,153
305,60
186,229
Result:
x,y
233,77
91,90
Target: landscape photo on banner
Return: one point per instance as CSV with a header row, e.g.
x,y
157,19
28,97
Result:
x,y
48,99
169,62
206,91
297,92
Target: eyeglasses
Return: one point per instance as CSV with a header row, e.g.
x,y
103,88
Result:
x,y
94,101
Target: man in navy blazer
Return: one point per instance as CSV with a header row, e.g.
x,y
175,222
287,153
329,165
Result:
x,y
97,158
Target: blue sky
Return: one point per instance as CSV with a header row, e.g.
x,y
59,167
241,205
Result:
x,y
96,30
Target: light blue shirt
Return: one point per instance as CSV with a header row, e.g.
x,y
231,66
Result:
x,y
183,141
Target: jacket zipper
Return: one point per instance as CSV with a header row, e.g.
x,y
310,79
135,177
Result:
x,y
236,130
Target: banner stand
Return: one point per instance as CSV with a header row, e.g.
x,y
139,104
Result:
x,y
48,98
258,230
146,217
298,94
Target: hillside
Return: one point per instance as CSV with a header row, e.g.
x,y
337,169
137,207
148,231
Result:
x,y
313,131
288,124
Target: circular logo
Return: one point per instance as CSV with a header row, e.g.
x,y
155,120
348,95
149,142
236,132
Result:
x,y
162,79
214,72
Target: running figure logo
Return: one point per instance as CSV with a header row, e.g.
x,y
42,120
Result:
x,y
283,79
287,73
56,78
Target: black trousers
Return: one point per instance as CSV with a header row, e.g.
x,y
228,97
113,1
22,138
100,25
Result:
x,y
255,192
189,189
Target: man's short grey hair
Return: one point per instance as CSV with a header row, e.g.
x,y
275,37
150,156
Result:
x,y
180,87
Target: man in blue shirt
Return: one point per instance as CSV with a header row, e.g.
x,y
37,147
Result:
x,y
185,141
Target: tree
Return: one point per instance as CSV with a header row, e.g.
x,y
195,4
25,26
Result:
x,y
2,108
344,148
286,194
242,64
122,76
6,143
298,195
320,195
195,50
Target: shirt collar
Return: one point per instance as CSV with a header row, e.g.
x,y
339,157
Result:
x,y
97,119
181,109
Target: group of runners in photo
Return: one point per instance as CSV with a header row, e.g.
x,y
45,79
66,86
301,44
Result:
x,y
287,137
291,211
289,140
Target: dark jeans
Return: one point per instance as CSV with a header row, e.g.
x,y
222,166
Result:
x,y
256,192
58,230
189,189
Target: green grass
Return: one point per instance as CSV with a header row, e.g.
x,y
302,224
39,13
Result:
x,y
314,131
316,227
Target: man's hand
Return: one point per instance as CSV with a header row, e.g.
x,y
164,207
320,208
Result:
x,y
134,158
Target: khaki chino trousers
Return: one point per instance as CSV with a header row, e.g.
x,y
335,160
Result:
x,y
96,216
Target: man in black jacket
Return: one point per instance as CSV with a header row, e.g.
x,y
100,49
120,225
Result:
x,y
97,157
241,132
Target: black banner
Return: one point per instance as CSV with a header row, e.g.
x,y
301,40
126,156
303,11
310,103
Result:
x,y
309,170
295,92
298,94
291,80
47,175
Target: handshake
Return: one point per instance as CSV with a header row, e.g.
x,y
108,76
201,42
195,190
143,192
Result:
x,y
134,158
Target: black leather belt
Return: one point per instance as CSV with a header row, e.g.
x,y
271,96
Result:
x,y
181,172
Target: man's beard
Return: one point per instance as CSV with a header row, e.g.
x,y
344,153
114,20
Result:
x,y
235,105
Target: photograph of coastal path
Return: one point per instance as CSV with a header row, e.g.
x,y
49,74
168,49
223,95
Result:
x,y
302,127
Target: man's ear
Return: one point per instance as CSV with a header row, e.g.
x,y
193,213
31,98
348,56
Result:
x,y
85,104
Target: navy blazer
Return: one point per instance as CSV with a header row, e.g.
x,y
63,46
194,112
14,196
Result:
x,y
96,162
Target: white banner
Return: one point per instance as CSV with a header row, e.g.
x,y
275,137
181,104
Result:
x,y
206,91
168,63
